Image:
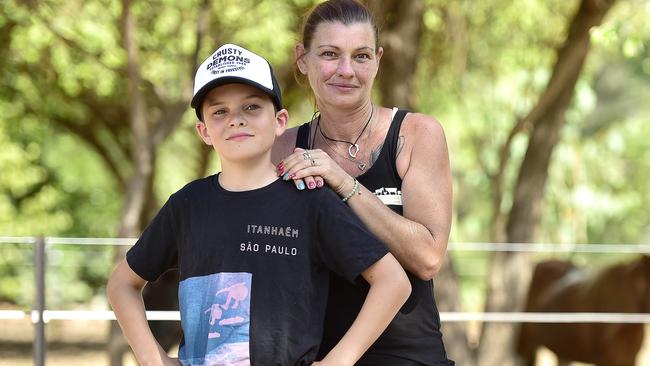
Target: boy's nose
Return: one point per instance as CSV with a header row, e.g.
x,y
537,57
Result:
x,y
237,120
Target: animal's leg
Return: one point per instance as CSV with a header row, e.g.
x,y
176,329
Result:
x,y
562,362
526,360
526,346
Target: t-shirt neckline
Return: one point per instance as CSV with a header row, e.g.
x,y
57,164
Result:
x,y
257,192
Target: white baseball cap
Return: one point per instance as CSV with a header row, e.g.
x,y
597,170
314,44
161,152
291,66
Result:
x,y
234,64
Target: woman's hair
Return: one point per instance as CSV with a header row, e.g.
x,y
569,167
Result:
x,y
343,11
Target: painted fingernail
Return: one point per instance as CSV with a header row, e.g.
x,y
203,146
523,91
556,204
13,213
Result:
x,y
312,185
286,176
319,183
292,175
301,185
280,170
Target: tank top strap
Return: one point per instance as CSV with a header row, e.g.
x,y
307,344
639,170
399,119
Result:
x,y
302,137
392,138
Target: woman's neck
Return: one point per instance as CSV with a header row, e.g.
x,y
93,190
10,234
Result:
x,y
344,124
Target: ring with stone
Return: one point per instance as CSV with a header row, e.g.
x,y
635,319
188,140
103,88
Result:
x,y
313,162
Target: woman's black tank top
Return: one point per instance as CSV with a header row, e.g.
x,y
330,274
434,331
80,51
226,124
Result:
x,y
413,337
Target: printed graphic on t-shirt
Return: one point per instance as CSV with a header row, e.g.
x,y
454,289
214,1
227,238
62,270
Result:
x,y
389,196
215,314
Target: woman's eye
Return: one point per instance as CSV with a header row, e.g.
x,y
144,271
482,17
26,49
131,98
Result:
x,y
363,57
328,54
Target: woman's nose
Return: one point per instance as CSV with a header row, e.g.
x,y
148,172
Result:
x,y
344,67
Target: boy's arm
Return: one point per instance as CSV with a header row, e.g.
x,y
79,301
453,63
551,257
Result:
x,y
124,290
389,289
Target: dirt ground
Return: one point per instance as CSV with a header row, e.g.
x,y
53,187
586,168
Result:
x,y
70,343
81,343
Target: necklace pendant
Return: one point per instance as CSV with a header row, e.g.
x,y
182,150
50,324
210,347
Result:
x,y
353,150
362,166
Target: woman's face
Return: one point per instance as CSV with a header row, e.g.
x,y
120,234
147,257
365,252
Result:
x,y
341,63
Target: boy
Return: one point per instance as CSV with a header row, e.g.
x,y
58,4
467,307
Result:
x,y
253,253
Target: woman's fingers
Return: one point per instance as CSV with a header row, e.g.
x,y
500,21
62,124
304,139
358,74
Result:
x,y
319,181
310,182
303,167
300,184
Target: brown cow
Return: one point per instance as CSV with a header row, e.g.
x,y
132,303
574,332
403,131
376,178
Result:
x,y
559,286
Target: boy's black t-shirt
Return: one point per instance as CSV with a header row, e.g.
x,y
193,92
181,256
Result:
x,y
254,268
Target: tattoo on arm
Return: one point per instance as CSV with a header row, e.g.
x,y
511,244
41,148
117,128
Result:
x,y
400,144
374,154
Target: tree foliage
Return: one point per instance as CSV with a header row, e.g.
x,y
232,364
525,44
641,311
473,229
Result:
x,y
67,99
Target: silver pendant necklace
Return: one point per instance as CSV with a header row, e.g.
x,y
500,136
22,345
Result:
x,y
353,149
360,164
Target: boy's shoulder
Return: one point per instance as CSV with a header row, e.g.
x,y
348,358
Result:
x,y
321,198
194,189
200,189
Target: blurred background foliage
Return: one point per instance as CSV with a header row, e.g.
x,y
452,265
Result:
x,y
66,143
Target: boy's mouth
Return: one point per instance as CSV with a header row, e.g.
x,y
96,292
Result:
x,y
239,136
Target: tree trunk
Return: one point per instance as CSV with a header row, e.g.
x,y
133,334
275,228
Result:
x,y
141,180
400,36
447,292
508,283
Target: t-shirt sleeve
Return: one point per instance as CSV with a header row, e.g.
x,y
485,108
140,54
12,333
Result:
x,y
346,245
156,250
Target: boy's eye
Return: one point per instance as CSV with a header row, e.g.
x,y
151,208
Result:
x,y
252,107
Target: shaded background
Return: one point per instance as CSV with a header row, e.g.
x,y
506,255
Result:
x,y
544,103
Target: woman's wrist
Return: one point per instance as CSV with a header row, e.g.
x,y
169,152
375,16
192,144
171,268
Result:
x,y
344,187
352,192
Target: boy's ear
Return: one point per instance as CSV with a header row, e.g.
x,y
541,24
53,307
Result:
x,y
300,54
282,119
202,130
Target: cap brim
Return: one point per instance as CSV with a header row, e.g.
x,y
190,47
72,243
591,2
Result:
x,y
200,95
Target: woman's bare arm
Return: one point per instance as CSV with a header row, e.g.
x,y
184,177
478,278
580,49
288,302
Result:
x,y
419,238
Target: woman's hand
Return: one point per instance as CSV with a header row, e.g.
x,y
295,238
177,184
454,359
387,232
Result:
x,y
311,169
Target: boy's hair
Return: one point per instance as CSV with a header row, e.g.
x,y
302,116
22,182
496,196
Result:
x,y
234,64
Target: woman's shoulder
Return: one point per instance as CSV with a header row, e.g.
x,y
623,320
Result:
x,y
284,144
420,137
421,126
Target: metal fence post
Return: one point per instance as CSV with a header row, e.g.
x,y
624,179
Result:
x,y
39,302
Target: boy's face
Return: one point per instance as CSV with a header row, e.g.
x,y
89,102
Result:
x,y
240,122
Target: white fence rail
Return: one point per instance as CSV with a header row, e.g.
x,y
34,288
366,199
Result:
x,y
40,316
501,317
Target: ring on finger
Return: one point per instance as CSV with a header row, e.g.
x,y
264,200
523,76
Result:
x,y
313,162
306,155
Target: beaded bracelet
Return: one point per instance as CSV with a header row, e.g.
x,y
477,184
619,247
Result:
x,y
354,190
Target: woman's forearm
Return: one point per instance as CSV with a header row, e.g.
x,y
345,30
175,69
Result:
x,y
414,246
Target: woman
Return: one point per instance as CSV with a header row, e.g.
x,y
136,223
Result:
x,y
390,166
